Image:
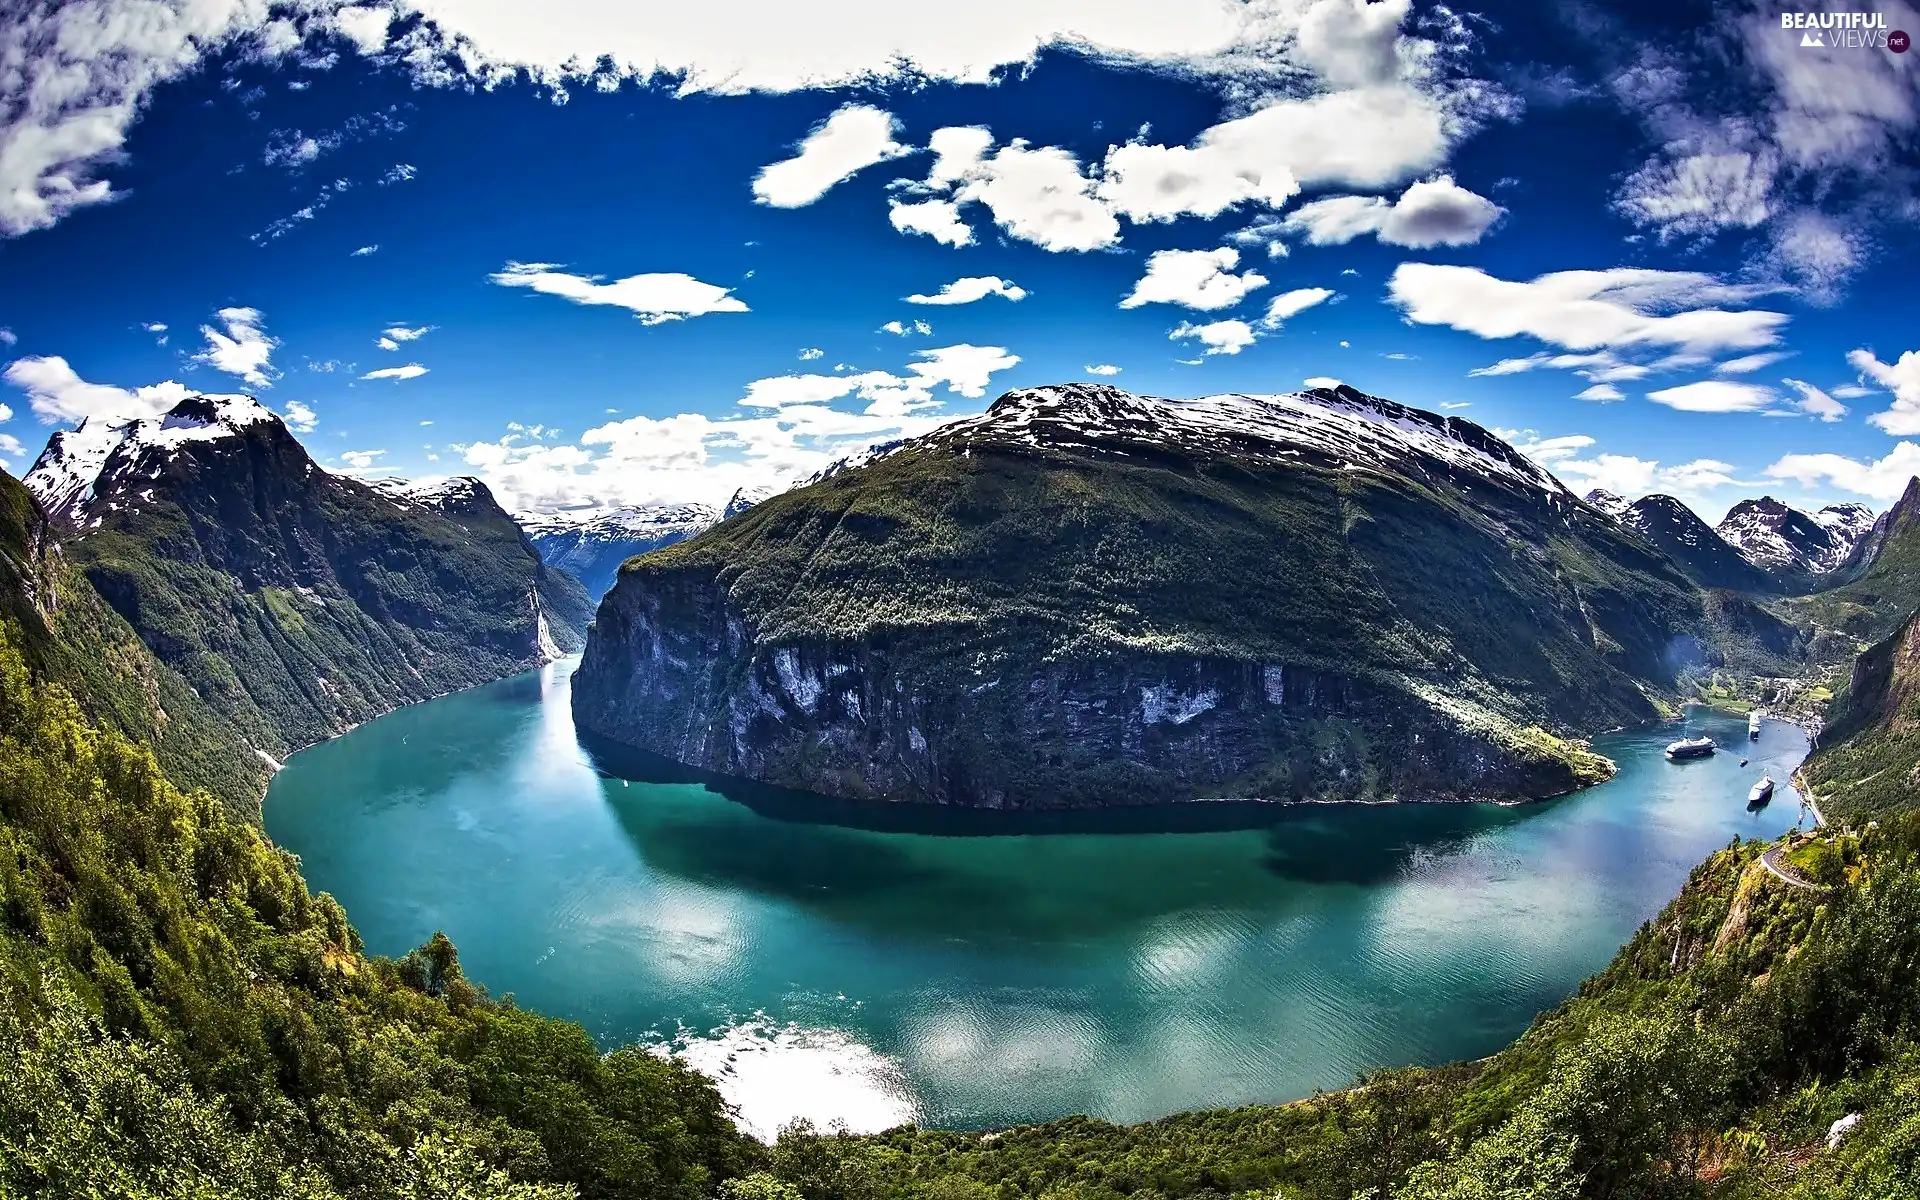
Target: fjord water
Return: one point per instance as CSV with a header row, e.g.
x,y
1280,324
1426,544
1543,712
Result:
x,y
967,971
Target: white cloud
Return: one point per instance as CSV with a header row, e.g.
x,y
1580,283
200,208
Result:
x,y
1815,402
653,298
1570,458
1219,337
1102,369
938,219
1199,279
74,80
1701,192
154,326
1749,363
1326,382
969,288
791,429
1366,136
1902,378
1287,304
361,462
1813,147
1716,396
1601,393
1037,195
363,251
902,328
364,26
243,348
410,371
963,369
852,139
1588,310
8,337
1433,212
58,396
1883,479
299,417
391,337
811,352
788,47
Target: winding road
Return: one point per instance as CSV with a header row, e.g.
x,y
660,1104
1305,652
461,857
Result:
x,y
1786,874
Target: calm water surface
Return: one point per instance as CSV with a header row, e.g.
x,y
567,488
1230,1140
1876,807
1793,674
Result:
x,y
946,968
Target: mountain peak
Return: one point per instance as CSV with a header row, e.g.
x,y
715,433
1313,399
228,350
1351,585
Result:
x,y
77,463
1611,503
1784,541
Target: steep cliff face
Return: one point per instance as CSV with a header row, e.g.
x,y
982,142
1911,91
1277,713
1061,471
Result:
x,y
1869,757
296,602
1086,597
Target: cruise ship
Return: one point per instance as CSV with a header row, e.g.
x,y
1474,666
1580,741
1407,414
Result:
x,y
1753,725
1698,747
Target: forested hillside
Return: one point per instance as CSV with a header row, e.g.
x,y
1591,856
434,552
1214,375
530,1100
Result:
x,y
182,1018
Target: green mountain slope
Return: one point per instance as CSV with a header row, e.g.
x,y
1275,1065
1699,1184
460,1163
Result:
x,y
1869,759
180,1017
1874,592
1087,597
66,632
294,602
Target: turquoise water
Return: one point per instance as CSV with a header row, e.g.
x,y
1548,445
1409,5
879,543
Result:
x,y
872,966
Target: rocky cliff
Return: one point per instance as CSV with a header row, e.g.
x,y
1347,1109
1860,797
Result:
x,y
1087,597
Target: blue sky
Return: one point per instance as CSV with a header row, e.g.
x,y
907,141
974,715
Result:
x,y
437,243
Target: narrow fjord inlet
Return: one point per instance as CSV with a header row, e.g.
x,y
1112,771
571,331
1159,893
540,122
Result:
x,y
982,972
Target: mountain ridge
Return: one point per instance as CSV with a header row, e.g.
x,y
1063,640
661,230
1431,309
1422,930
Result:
x,y
296,602
1187,591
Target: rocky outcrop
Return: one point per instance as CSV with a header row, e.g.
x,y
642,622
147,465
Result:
x,y
673,668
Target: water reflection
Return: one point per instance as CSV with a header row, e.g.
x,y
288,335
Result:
x,y
828,958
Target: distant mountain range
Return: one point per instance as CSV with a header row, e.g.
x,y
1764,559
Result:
x,y
590,544
1086,597
295,602
1761,546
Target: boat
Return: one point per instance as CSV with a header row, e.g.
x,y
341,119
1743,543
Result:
x,y
1753,725
1761,793
1699,747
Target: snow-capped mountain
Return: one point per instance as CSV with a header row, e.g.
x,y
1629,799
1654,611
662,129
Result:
x,y
591,544
456,491
297,602
107,461
1328,427
746,497
1607,502
1789,544
1677,531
